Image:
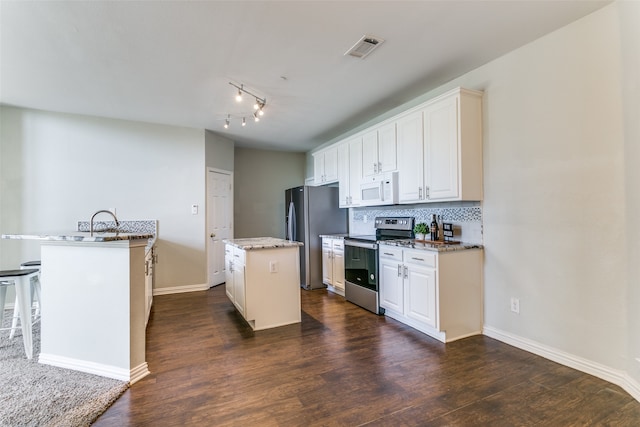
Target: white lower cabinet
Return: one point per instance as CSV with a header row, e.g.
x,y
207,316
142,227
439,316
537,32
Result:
x,y
438,293
149,266
333,264
234,276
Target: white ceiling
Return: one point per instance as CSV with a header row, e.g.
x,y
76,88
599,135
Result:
x,y
171,62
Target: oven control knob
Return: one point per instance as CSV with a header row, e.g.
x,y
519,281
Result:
x,y
372,277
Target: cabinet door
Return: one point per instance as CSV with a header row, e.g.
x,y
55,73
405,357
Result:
x,y
387,148
344,172
441,149
228,274
420,298
331,164
410,158
355,170
318,168
391,285
239,288
338,269
327,262
370,153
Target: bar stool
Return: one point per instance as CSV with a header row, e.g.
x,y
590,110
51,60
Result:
x,y
21,279
35,297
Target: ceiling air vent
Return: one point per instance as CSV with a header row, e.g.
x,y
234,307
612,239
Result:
x,y
364,47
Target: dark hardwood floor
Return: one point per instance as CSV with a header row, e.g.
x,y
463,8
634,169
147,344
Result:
x,y
344,366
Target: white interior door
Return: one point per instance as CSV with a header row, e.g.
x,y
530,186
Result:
x,y
219,221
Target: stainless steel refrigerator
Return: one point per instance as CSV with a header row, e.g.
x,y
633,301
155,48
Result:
x,y
310,212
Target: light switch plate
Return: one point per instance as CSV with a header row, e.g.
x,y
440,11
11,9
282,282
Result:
x,y
194,209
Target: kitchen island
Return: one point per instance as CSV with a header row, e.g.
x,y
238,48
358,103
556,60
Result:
x,y
93,302
263,280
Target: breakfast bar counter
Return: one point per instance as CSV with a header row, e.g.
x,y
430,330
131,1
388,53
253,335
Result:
x,y
93,302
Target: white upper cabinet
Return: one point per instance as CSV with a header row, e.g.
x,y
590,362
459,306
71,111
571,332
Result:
x,y
436,147
325,166
448,163
349,172
410,158
379,150
441,149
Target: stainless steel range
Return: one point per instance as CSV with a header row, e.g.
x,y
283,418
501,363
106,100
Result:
x,y
361,260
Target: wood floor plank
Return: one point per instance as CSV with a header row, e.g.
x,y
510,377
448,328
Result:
x,y
344,366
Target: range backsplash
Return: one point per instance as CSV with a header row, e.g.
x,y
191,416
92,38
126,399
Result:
x,y
466,217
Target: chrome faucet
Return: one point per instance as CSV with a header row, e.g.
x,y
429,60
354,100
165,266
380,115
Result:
x,y
101,211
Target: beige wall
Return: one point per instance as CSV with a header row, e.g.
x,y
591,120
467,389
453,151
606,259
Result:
x,y
219,151
562,188
261,177
56,169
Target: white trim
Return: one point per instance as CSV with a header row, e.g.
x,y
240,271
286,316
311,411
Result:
x,y
181,289
108,371
604,372
139,372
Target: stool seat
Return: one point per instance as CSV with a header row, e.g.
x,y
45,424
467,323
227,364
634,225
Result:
x,y
17,273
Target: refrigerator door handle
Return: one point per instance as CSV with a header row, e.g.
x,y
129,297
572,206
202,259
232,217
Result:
x,y
292,222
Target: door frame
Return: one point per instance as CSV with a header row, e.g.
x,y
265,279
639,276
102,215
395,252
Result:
x,y
208,248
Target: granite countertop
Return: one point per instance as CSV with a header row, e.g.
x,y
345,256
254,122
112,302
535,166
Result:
x,y
426,246
80,236
262,243
335,236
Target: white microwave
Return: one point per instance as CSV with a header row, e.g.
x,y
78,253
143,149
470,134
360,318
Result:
x,y
381,189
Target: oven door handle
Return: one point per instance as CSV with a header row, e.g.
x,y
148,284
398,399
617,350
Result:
x,y
357,244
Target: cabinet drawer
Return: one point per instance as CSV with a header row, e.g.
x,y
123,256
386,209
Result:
x,y
390,252
326,243
425,258
338,244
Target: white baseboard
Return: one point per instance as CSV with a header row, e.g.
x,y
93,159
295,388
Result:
x,y
181,289
604,372
102,370
139,372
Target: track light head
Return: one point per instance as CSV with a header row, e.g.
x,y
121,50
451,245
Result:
x,y
244,121
255,117
226,124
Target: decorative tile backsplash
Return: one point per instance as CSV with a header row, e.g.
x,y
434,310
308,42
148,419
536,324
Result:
x,y
466,217
140,226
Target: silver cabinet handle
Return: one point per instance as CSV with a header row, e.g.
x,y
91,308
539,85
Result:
x,y
418,259
419,192
379,166
387,253
406,272
399,270
427,192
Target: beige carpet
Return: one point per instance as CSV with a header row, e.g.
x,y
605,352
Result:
x,y
32,394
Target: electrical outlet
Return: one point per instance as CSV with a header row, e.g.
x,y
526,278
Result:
x,y
515,305
273,266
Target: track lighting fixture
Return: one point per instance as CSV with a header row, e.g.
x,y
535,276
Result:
x,y
239,95
242,118
260,102
258,107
